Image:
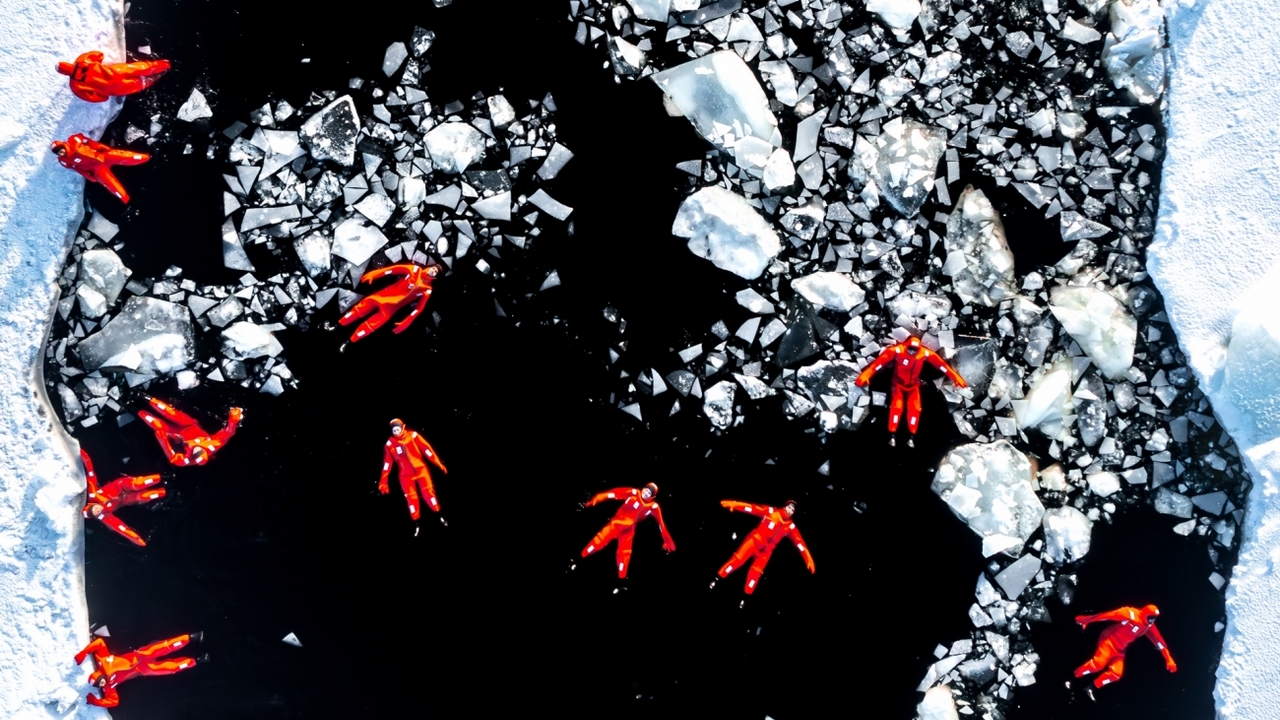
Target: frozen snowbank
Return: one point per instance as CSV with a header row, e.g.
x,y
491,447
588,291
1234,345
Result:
x,y
43,618
1213,259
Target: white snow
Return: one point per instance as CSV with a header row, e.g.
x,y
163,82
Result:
x,y
43,617
1215,246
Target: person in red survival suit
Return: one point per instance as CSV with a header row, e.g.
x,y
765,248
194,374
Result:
x,y
411,453
103,501
93,161
775,524
413,286
637,504
114,669
94,81
908,359
174,427
1133,623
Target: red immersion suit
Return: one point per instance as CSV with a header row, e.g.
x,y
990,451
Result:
x,y
94,81
623,525
411,453
116,494
93,161
775,525
143,661
1132,623
908,359
413,286
174,427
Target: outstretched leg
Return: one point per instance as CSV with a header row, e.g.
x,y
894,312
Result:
x,y
140,490
606,535
624,550
104,177
740,557
171,413
378,310
1114,672
896,405
165,667
125,531
411,497
160,648
913,409
428,490
1101,659
757,569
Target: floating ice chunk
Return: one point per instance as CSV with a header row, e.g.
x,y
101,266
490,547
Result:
x,y
891,88
1100,323
225,312
650,9
557,158
1172,503
550,205
1015,578
720,95
261,217
332,133
411,191
831,290
1048,405
1103,484
627,59
912,306
724,228
501,114
245,340
233,254
939,67
102,227
1067,534
807,131
753,301
778,171
988,485
979,262
752,154
92,304
1134,52
1075,226
717,403
103,271
779,76
454,146
195,108
148,337
356,241
394,58
283,147
937,705
497,207
292,640
975,361
72,408
313,251
1077,32
378,208
902,161
897,14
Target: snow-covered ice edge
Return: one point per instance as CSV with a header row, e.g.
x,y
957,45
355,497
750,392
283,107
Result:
x,y
1215,261
43,614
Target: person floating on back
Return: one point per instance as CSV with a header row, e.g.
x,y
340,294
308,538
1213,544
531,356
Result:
x,y
908,359
1132,623
410,453
112,669
775,524
95,81
182,438
413,286
94,161
637,504
103,502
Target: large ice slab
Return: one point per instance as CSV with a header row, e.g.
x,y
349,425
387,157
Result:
x,y
1105,329
979,261
355,240
1067,533
102,277
721,96
725,229
902,160
245,340
332,133
988,485
1133,51
454,147
148,337
831,290
1048,404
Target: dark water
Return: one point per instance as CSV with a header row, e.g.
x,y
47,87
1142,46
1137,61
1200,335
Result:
x,y
283,532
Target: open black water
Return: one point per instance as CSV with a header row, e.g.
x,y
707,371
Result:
x,y
284,532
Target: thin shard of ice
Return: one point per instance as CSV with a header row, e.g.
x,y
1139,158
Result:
x,y
550,205
988,485
1048,404
800,339
148,337
902,161
313,251
261,217
975,361
725,229
355,241
720,95
454,146
497,207
979,261
627,59
1067,533
1075,226
1100,323
831,290
1015,578
807,131
332,133
717,403
102,227
292,640
245,340
555,161
195,108
283,147
233,254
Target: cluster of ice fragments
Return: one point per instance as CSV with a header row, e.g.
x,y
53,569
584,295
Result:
x,y
847,202
315,196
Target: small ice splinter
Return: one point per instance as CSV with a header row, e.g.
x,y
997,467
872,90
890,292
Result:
x,y
1115,640
411,454
637,504
775,524
123,491
413,286
95,81
113,669
94,161
174,427
908,359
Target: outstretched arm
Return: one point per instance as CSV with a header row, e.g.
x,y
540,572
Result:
x,y
90,478
886,357
1158,640
388,271
794,534
1113,616
94,645
233,422
110,698
413,314
428,452
614,494
748,508
936,360
667,543
387,458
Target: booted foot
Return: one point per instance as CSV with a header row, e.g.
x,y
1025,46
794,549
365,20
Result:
x,y
443,521
197,636
202,659
329,326
893,441
343,347
911,442
742,603
416,529
713,583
